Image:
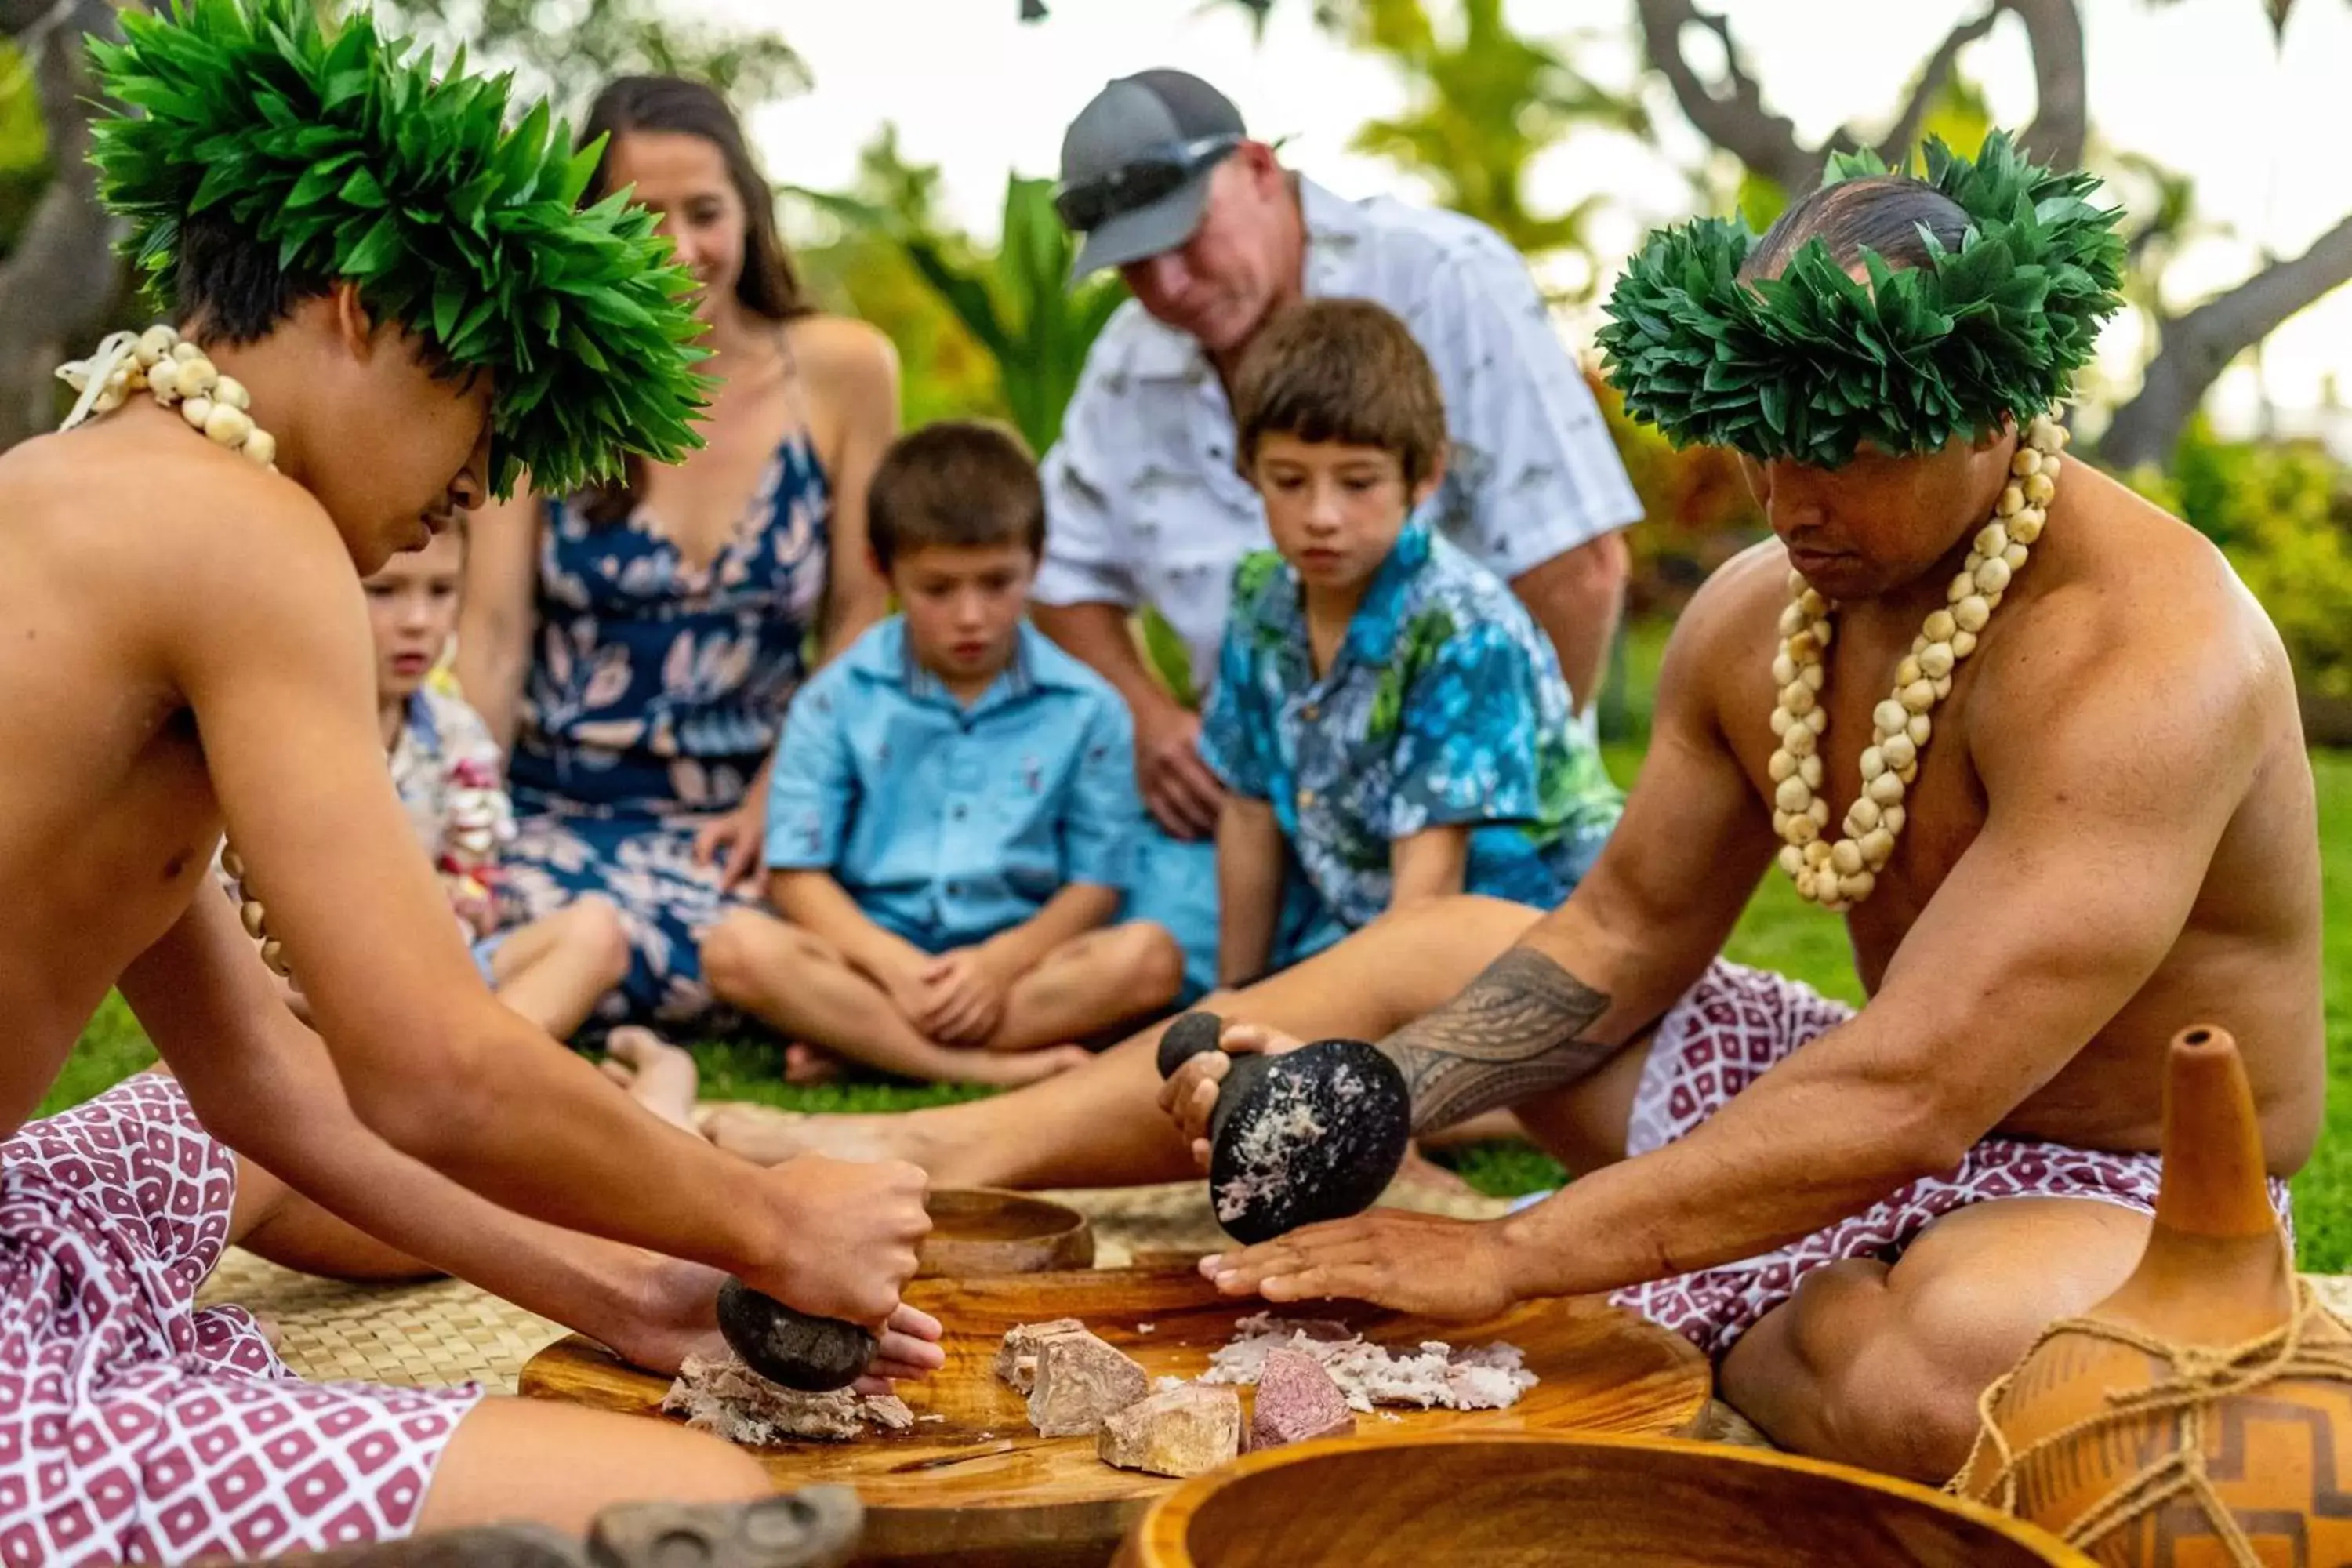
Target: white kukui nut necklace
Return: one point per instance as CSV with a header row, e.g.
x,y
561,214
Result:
x,y
1838,874
175,373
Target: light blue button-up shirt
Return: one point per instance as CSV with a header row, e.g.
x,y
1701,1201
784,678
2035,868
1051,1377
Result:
x,y
948,825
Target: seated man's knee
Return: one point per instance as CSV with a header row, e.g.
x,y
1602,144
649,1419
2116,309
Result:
x,y
1899,1374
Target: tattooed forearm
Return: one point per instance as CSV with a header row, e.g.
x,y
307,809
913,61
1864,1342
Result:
x,y
1517,1029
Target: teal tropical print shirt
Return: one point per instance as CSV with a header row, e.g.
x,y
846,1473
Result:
x,y
1444,706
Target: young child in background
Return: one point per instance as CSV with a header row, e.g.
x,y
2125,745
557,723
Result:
x,y
446,769
952,809
1389,723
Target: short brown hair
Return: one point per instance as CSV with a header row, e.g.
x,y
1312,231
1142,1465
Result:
x,y
1345,371
958,482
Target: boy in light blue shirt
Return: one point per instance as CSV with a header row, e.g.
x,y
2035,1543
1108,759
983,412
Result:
x,y
952,809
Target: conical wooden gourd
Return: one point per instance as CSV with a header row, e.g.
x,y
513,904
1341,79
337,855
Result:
x,y
2187,1421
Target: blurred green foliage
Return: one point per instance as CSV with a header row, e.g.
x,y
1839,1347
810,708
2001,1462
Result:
x,y
23,146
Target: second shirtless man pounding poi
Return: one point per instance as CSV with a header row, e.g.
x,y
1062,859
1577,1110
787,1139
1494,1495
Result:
x,y
2081,820
382,297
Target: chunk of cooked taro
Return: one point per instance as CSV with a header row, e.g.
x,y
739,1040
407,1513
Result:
x,y
1081,1380
1181,1432
1016,1358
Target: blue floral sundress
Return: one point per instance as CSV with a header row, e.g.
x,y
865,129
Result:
x,y
656,690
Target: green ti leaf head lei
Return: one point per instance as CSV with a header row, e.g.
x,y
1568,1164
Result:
x,y
1813,364
338,148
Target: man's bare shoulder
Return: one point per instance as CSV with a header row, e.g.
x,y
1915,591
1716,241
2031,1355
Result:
x,y
2132,608
1734,617
2131,592
1741,599
138,497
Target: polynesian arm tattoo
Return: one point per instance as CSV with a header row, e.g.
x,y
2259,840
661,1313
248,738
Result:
x,y
1516,1030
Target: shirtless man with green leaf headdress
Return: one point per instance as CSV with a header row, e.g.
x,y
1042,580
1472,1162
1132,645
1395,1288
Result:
x,y
2025,733
384,306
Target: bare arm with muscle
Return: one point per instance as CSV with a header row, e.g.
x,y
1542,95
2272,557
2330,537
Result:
x,y
267,640
264,1085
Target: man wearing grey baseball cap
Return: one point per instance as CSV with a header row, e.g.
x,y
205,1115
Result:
x,y
1144,505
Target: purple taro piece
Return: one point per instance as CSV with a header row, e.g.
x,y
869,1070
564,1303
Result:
x,y
1298,1402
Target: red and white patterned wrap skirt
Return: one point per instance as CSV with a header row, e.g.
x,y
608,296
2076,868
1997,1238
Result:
x,y
1723,1035
134,1429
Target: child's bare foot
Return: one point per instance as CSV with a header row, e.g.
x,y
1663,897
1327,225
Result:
x,y
657,1075
1010,1069
805,1064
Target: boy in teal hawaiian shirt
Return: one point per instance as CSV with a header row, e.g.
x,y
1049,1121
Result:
x,y
1389,723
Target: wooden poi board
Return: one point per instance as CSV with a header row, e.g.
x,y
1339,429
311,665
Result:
x,y
977,1484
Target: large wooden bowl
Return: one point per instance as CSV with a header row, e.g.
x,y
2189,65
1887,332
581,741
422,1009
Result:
x,y
1492,1501
981,1230
973,1483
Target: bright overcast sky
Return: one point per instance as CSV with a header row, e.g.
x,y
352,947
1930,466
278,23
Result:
x,y
2195,84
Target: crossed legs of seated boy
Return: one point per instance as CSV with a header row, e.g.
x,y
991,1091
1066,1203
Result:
x,y
805,987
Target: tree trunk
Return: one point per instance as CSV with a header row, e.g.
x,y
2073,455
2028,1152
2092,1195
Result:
x,y
2199,345
1734,118
2054,30
1732,115
62,277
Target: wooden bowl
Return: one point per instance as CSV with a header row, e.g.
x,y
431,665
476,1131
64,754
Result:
x,y
979,1231
1502,1501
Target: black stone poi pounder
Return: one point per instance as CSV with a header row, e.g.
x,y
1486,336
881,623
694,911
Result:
x,y
1296,1140
808,1353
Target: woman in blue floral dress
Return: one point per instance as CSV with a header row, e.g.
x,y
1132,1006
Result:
x,y
636,648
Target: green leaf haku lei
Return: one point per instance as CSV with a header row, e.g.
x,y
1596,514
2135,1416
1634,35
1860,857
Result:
x,y
1813,364
339,150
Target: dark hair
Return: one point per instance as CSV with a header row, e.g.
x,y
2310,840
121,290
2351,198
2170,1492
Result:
x,y
228,288
768,285
1883,213
1345,371
961,482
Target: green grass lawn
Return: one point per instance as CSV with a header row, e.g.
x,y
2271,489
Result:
x,y
1778,931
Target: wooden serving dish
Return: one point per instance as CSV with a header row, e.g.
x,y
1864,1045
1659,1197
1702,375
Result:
x,y
973,1483
1498,1500
982,1230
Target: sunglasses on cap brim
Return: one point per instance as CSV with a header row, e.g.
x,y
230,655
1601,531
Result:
x,y
1086,204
